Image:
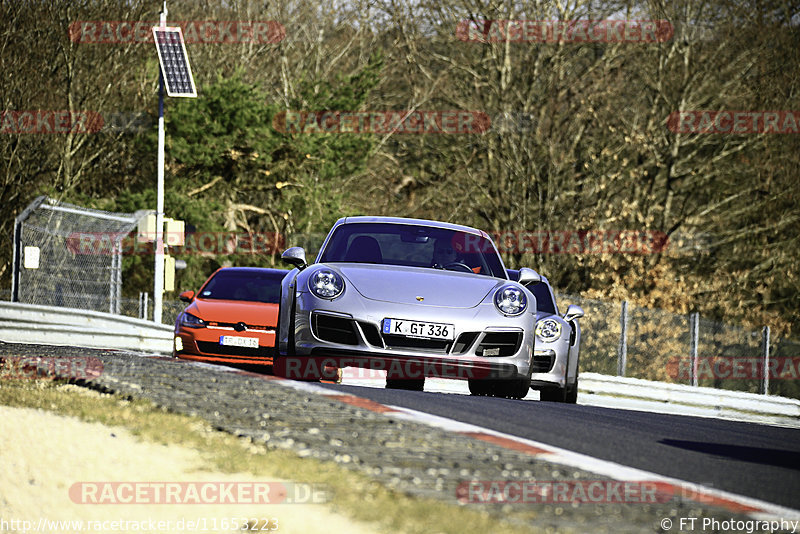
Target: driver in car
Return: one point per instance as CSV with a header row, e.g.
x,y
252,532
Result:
x,y
444,254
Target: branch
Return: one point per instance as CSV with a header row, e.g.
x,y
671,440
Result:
x,y
204,187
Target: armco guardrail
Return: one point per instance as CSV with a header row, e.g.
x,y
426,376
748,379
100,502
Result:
x,y
49,325
722,400
30,323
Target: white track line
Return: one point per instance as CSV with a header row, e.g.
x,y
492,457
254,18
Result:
x,y
705,495
691,491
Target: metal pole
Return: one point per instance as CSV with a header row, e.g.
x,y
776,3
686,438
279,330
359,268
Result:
x,y
158,278
113,269
118,278
143,296
765,361
694,330
16,263
622,353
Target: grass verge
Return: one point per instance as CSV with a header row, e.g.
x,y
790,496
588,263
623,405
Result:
x,y
351,494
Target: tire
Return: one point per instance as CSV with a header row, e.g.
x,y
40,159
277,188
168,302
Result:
x,y
314,376
553,394
290,348
572,393
280,370
515,388
481,387
304,368
279,366
333,380
408,384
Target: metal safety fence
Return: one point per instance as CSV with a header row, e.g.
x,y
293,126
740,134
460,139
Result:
x,y
652,344
51,267
142,308
618,339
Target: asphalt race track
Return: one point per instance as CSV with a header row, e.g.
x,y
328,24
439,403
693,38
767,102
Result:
x,y
749,459
352,427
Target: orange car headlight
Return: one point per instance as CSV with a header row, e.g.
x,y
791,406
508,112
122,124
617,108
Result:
x,y
190,321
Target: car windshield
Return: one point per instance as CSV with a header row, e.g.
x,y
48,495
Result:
x,y
414,246
544,298
245,285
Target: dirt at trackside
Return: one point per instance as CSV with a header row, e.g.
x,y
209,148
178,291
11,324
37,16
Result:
x,y
45,455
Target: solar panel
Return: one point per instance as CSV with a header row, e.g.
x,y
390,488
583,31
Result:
x,y
174,61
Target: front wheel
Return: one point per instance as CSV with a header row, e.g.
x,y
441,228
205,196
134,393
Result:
x,y
572,393
553,394
301,368
482,387
516,388
408,384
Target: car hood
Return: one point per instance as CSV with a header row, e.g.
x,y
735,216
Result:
x,y
234,311
405,285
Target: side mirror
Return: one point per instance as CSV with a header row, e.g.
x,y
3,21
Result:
x,y
186,296
295,256
573,312
529,277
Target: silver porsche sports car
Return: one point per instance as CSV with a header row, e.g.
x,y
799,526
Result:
x,y
558,345
412,297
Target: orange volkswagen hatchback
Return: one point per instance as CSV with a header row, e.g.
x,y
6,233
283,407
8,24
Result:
x,y
232,318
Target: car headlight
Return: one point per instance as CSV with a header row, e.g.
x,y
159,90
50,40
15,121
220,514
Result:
x,y
326,284
510,300
190,321
548,330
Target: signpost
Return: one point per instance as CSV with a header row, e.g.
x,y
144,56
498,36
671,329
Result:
x,y
176,74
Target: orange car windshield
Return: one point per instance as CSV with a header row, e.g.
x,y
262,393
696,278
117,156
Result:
x,y
251,286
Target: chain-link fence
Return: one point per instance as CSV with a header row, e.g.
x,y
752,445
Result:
x,y
311,242
66,255
600,333
652,336
142,308
652,344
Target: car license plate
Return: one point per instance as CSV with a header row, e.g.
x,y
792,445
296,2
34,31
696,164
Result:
x,y
402,327
236,341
